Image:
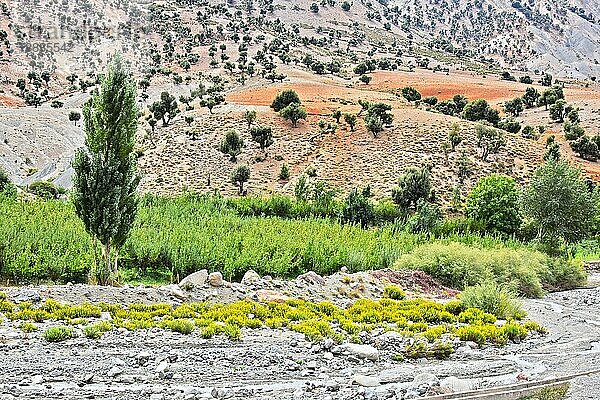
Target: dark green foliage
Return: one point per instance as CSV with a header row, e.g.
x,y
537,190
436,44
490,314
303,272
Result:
x,y
514,107
558,110
573,131
337,114
460,102
446,107
350,119
480,110
294,112
165,109
358,209
5,182
284,173
431,100
413,185
232,144
510,125
426,217
490,140
530,97
284,99
559,204
44,190
454,136
366,79
105,178
240,175
411,94
494,202
373,124
263,135
380,111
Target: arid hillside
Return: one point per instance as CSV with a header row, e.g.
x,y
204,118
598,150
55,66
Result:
x,y
51,55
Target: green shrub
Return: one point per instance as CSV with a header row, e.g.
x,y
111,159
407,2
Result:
x,y
457,265
494,201
58,333
514,331
494,299
28,327
44,190
183,326
393,292
96,330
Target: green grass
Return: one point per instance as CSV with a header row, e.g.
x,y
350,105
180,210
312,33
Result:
x,y
172,237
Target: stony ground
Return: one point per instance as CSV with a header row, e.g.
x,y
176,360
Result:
x,y
157,364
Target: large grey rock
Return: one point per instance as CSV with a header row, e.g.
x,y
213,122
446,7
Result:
x,y
398,375
453,384
359,350
364,380
198,278
175,291
425,381
312,277
215,279
250,277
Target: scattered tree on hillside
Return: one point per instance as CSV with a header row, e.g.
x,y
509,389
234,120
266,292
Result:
x,y
351,120
240,175
105,178
232,144
411,94
494,202
250,117
284,99
337,114
358,209
165,109
489,140
514,107
374,124
413,185
480,110
263,135
294,112
454,137
74,116
530,97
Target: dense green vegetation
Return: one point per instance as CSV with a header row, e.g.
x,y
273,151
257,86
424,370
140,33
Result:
x,y
171,237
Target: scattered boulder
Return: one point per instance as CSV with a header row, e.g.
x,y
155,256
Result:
x,y
312,278
270,296
174,291
250,277
198,278
362,351
452,384
215,279
366,381
24,294
115,371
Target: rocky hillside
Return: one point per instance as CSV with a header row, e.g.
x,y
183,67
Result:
x,y
51,55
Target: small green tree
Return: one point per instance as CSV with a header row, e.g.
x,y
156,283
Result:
x,y
514,107
413,185
284,99
165,109
250,117
337,114
411,94
490,140
454,136
6,184
240,175
530,97
232,144
366,79
351,120
494,202
284,173
480,110
294,113
559,203
74,116
358,209
105,178
373,124
263,135
557,111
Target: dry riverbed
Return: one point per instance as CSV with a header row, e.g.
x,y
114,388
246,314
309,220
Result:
x,y
280,364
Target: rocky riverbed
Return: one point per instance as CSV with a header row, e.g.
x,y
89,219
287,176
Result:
x,y
280,364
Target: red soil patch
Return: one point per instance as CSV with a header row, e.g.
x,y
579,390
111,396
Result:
x,y
9,101
444,86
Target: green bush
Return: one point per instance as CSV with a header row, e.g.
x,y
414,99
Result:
x,y
494,201
58,333
460,266
44,190
493,299
393,292
284,99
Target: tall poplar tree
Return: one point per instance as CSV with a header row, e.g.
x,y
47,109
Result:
x,y
106,178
